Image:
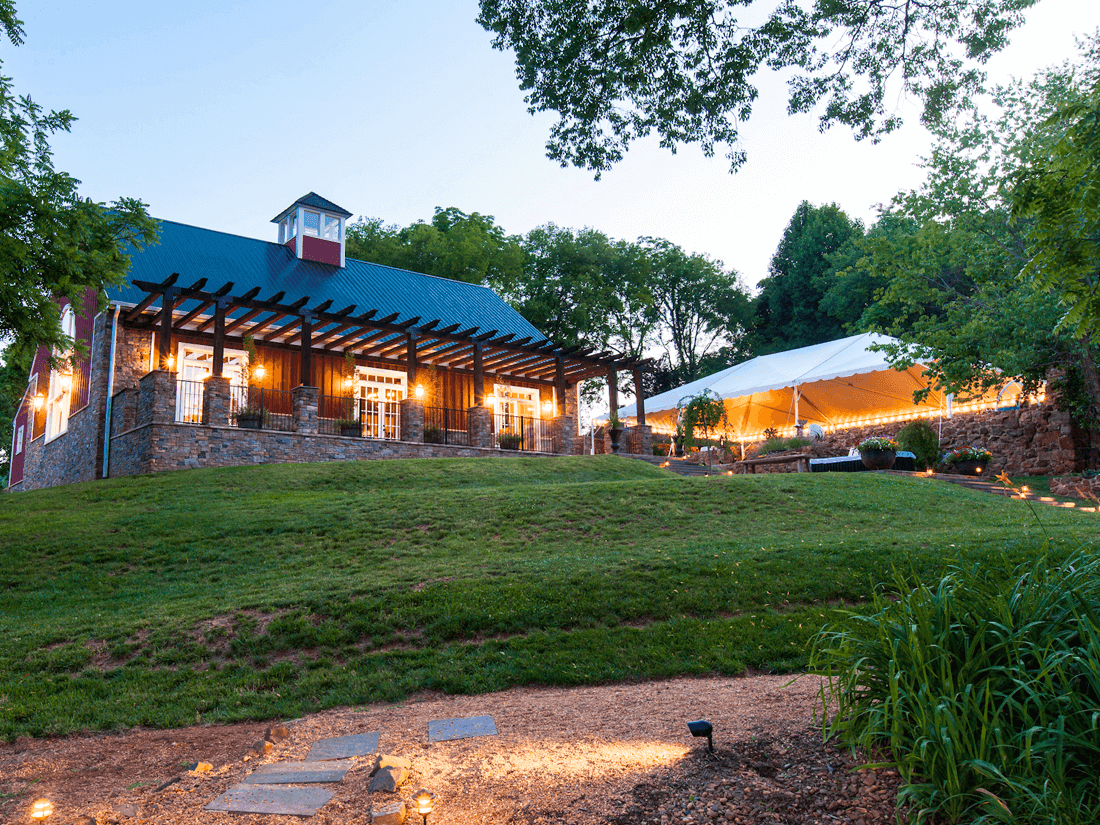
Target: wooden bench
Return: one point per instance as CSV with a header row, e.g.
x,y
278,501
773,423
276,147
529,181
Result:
x,y
750,464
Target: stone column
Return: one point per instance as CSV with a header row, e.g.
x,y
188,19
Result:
x,y
303,402
215,401
639,440
157,398
412,420
479,426
564,429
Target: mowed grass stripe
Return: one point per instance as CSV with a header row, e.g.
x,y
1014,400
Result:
x,y
159,597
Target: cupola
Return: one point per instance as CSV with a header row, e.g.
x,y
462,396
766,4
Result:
x,y
313,228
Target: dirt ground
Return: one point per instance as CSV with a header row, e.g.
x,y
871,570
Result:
x,y
618,754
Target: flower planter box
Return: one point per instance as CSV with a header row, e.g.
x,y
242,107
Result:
x,y
973,467
250,422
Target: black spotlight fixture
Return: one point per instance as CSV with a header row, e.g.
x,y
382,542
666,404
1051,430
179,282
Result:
x,y
703,728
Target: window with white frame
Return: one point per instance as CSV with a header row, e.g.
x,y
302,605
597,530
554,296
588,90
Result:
x,y
19,439
60,390
196,364
331,230
311,223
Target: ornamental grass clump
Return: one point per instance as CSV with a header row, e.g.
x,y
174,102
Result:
x,y
983,689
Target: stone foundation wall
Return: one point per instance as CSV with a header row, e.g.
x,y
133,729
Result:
x,y
158,447
77,454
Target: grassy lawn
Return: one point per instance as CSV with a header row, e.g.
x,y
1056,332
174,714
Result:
x,y
218,595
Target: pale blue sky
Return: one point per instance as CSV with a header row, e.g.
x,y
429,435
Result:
x,y
221,113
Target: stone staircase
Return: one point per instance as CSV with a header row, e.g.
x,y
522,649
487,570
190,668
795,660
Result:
x,y
679,466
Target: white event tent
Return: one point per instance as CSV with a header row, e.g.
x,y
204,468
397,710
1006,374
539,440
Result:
x,y
835,384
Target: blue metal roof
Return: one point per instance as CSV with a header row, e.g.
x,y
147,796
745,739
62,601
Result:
x,y
203,253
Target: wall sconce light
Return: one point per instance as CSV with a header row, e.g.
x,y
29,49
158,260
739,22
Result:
x,y
39,402
170,363
42,809
425,802
259,372
66,382
703,728
490,400
547,407
419,392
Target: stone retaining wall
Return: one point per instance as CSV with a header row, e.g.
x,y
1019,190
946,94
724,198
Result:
x,y
157,447
1038,440
1076,486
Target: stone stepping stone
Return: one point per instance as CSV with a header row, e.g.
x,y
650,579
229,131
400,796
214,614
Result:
x,y
343,747
264,799
291,773
443,730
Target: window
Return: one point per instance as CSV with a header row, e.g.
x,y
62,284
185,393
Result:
x,y
311,223
19,439
332,228
196,364
61,383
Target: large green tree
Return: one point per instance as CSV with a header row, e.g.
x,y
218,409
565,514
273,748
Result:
x,y
53,242
789,309
969,291
455,245
704,310
618,70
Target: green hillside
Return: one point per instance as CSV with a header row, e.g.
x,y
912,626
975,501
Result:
x,y
216,595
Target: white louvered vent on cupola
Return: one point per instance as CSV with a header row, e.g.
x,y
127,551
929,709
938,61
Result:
x,y
313,228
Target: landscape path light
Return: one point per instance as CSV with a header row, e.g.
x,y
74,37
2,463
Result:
x,y
42,809
703,728
425,802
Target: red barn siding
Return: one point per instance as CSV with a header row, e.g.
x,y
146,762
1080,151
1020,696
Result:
x,y
19,448
320,250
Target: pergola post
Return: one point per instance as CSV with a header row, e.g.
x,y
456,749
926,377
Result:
x,y
410,359
641,442
164,345
479,377
613,389
219,338
559,384
307,349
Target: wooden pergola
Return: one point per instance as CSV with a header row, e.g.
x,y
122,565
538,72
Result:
x,y
406,343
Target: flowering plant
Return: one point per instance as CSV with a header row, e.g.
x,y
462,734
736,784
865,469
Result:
x,y
878,442
968,453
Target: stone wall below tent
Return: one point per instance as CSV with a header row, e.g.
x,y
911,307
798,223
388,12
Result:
x,y
1038,440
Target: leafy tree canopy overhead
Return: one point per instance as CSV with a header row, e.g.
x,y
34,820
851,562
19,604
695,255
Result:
x,y
53,242
618,70
959,256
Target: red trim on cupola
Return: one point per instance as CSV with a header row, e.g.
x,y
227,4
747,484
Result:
x,y
320,250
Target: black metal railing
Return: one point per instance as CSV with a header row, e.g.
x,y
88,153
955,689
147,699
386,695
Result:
x,y
359,417
443,426
518,432
261,409
339,415
189,401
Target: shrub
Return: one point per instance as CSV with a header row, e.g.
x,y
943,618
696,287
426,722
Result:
x,y
510,441
983,687
920,439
